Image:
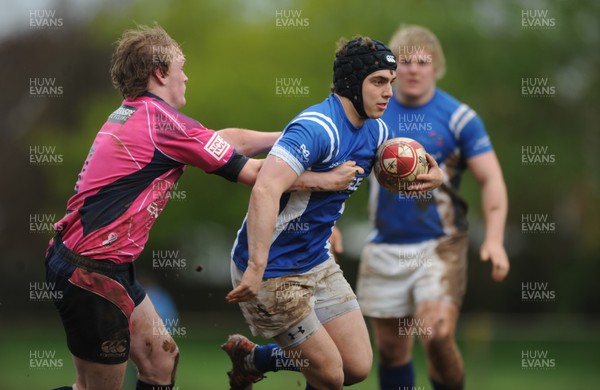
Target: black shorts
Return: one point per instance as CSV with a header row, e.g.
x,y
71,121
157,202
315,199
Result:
x,y
97,299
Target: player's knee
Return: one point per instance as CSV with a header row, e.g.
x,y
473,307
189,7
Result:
x,y
329,376
333,380
167,364
387,357
358,368
438,344
441,335
391,354
160,368
357,374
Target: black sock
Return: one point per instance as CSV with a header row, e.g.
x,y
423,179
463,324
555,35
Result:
x,y
64,388
399,377
145,386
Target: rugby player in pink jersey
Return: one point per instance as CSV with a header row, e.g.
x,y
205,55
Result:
x,y
135,159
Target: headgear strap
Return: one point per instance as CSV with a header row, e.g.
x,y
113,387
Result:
x,y
352,67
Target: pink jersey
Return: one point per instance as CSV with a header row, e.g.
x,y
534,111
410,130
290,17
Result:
x,y
136,158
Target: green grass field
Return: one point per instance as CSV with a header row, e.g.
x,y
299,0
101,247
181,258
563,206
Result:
x,y
493,357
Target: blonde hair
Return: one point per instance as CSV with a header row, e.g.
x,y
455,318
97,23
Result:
x,y
138,53
420,37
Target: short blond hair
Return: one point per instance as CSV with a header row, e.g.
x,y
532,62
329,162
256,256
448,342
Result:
x,y
421,37
138,53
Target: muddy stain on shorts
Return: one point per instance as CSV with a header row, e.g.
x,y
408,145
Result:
x,y
281,302
452,250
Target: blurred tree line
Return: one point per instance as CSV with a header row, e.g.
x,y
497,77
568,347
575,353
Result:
x,y
237,51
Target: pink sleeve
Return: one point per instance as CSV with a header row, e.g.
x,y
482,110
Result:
x,y
187,141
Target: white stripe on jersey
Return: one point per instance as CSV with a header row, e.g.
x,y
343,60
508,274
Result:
x,y
327,129
460,118
456,115
465,119
383,132
294,209
328,119
290,159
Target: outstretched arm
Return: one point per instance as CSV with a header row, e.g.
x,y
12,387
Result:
x,y
494,203
249,142
337,179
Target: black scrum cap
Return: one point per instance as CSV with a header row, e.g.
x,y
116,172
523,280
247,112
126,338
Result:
x,y
352,66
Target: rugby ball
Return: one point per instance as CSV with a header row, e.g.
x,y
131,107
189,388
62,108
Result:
x,y
398,162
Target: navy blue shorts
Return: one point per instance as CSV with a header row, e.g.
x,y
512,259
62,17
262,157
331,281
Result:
x,y
97,299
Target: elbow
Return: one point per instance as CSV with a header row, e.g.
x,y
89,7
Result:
x,y
236,139
263,191
249,173
243,149
260,191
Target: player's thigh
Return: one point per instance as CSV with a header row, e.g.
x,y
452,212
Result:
x,y
443,275
394,340
337,309
386,280
97,376
351,337
153,350
319,360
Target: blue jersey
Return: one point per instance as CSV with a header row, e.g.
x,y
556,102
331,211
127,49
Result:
x,y
319,139
452,133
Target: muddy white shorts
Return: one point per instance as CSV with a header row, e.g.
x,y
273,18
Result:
x,y
393,278
291,308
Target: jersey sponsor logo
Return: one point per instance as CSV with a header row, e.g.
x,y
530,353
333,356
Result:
x,y
216,146
122,114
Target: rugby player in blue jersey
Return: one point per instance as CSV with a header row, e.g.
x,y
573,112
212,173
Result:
x,y
286,281
413,272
